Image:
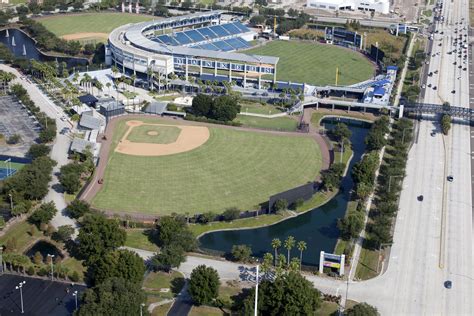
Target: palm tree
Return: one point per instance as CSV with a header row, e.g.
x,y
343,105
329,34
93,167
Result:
x,y
289,243
276,243
108,85
114,70
134,78
301,247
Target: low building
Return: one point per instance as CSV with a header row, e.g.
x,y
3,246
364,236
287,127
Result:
x,y
79,145
110,108
92,120
88,99
380,6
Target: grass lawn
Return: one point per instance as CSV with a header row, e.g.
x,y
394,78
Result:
x,y
154,134
367,265
207,2
206,311
278,123
162,280
161,310
258,108
21,233
137,238
74,265
316,63
250,222
89,22
233,168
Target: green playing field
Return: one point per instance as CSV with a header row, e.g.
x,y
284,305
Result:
x,y
316,63
233,168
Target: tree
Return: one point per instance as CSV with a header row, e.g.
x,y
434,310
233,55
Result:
x,y
301,247
207,217
116,296
364,170
289,294
98,235
173,230
201,105
276,244
64,233
170,256
363,190
47,134
14,139
280,205
257,19
362,309
38,150
70,177
38,258
351,225
445,123
78,208
224,108
231,213
120,263
161,10
341,132
289,243
204,285
241,253
43,214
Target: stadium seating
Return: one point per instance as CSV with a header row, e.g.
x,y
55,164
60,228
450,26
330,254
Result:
x,y
231,28
237,43
219,30
207,33
195,36
182,38
223,46
200,35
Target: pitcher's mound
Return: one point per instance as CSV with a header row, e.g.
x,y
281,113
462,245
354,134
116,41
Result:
x,y
190,137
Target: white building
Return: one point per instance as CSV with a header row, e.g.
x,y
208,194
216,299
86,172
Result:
x,y
380,6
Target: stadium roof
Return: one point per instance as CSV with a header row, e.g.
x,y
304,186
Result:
x,y
80,145
89,121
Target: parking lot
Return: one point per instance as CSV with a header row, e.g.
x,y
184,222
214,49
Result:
x,y
16,120
40,297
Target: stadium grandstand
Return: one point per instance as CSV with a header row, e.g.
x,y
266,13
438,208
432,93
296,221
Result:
x,y
198,44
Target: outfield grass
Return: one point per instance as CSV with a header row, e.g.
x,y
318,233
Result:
x,y
233,168
278,123
164,134
89,22
316,63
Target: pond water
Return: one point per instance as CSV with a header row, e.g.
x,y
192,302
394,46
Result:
x,y
316,227
44,248
22,46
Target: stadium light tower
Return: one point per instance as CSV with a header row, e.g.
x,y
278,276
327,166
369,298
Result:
x,y
256,294
75,297
20,287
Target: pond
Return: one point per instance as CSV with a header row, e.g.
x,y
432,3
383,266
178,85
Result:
x,y
22,46
316,227
44,248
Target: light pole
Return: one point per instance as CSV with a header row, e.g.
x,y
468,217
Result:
x,y
20,287
141,308
75,297
256,293
52,267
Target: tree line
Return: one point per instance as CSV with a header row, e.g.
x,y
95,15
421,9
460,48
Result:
x,y
363,175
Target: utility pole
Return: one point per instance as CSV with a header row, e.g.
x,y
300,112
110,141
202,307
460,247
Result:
x,y
11,200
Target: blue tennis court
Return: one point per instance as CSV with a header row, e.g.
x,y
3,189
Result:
x,y
5,172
